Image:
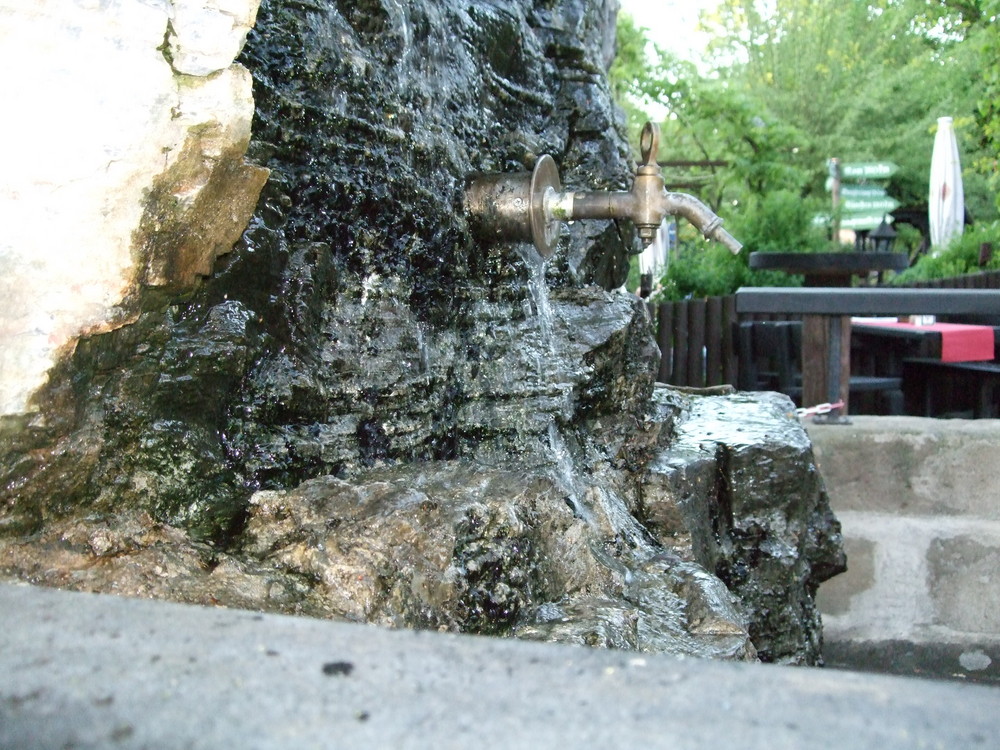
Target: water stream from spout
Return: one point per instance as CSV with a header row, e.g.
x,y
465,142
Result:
x,y
402,23
565,474
538,290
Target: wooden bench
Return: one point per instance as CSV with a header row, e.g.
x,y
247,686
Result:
x,y
769,356
952,389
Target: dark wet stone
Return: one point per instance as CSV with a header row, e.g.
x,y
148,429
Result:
x,y
364,414
737,487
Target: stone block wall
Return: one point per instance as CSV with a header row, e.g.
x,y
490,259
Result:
x,y
919,500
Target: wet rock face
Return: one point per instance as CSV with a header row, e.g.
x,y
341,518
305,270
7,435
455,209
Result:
x,y
364,414
357,321
737,486
718,554
453,547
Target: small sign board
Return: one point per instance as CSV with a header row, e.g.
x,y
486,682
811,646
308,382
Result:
x,y
868,205
868,170
862,191
863,221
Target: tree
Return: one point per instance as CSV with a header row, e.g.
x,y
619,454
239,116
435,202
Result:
x,y
987,113
707,119
792,83
865,80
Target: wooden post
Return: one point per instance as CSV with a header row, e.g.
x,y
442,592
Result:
x,y
696,343
985,253
679,376
665,338
714,351
730,362
821,362
835,197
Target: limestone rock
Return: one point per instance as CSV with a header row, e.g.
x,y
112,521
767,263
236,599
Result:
x,y
207,35
197,207
112,159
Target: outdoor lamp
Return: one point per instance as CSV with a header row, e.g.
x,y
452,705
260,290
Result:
x,y
882,237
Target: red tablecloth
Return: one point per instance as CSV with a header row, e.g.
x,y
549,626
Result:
x,y
959,343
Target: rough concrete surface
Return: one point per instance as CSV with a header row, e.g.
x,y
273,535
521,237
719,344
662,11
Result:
x,y
917,500
80,670
911,465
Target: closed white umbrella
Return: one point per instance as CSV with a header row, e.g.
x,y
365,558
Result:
x,y
947,198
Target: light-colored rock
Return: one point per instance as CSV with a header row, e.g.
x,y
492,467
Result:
x,y
206,35
104,149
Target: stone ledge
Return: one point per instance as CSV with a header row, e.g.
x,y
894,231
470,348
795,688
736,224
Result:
x,y
969,662
916,579
910,465
916,499
92,670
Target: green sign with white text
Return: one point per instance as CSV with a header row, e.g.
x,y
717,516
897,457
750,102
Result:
x,y
868,170
861,221
862,191
867,205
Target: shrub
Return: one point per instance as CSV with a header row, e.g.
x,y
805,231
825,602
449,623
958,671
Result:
x,y
961,256
777,222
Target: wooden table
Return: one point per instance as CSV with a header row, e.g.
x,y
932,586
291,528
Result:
x,y
826,351
829,269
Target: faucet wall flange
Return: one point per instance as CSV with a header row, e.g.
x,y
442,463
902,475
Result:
x,y
516,207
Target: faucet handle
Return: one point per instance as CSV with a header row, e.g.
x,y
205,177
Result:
x,y
649,144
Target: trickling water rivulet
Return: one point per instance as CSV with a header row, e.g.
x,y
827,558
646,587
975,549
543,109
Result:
x,y
366,414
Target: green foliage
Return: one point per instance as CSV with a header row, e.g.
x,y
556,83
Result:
x,y
960,257
629,68
795,82
777,222
702,272
908,240
865,80
988,105
791,83
706,119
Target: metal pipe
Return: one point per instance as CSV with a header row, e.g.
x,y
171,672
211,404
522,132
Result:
x,y
647,212
602,205
528,207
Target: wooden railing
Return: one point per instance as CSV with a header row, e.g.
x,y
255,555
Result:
x,y
698,338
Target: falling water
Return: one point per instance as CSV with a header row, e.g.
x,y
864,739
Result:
x,y
538,289
565,474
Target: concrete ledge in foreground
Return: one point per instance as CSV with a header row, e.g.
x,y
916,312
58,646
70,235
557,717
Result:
x,y
84,670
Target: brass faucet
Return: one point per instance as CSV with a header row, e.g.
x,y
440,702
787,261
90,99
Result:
x,y
527,207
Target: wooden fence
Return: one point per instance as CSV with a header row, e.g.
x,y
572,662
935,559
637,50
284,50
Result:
x,y
698,338
981,280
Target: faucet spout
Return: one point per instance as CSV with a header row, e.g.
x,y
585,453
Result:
x,y
708,223
526,208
